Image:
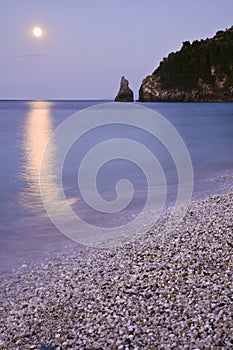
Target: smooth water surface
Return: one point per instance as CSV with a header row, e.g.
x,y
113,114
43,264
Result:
x,y
25,127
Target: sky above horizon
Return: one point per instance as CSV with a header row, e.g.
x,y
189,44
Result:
x,y
87,45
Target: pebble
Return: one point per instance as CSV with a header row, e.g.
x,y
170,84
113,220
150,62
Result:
x,y
170,289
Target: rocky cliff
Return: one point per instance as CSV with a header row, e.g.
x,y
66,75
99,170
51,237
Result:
x,y
125,94
200,71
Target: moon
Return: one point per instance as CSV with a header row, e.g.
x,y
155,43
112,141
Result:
x,y
37,31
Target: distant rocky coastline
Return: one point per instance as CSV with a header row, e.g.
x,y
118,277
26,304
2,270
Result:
x,y
201,71
125,94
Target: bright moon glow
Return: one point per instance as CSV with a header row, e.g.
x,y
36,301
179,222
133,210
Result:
x,y
37,31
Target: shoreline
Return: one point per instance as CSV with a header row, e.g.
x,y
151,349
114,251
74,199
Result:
x,y
223,185
173,292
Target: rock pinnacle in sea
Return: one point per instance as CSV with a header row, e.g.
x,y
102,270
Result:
x,y
125,94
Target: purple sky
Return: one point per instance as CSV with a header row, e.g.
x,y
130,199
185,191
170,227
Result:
x,y
89,44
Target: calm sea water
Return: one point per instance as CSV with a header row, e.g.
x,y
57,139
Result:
x,y
25,127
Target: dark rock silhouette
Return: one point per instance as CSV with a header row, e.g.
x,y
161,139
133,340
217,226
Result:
x,y
200,71
125,94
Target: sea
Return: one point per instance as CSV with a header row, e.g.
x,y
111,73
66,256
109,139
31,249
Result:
x,y
26,231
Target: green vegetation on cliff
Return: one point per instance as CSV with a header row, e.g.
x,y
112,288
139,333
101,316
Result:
x,y
202,70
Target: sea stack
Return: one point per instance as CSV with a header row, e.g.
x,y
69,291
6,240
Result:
x,y
125,94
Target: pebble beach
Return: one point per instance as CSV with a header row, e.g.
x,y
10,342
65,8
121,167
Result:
x,y
170,293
